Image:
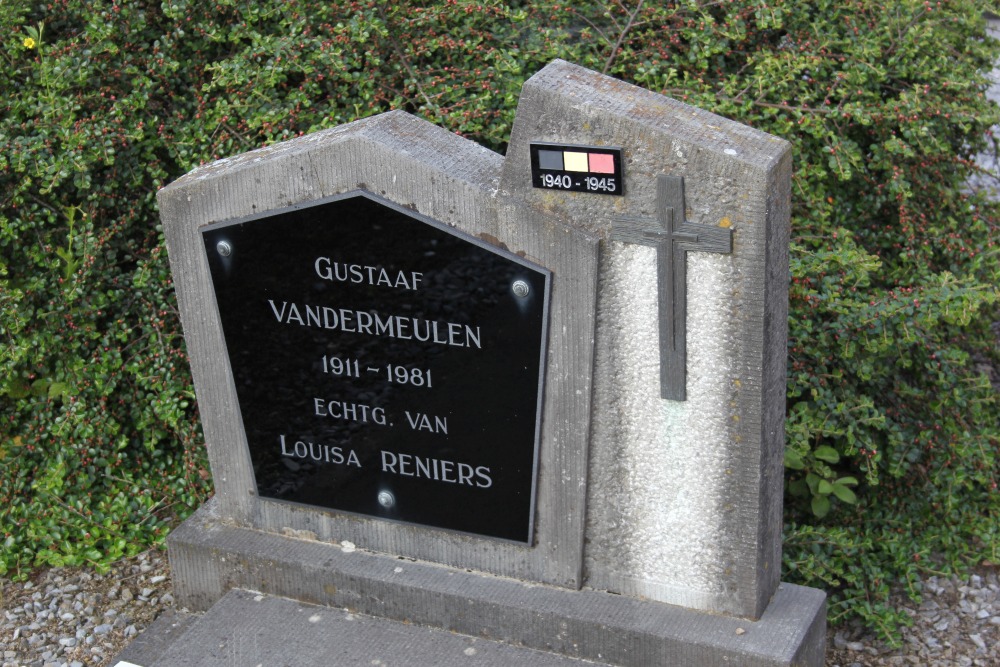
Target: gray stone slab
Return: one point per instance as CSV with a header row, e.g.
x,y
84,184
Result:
x,y
209,557
249,629
154,641
684,497
452,180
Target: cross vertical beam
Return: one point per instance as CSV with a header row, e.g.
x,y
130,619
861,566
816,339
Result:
x,y
673,237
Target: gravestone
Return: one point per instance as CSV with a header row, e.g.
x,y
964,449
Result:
x,y
536,401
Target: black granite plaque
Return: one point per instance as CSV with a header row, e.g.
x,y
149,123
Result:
x,y
385,363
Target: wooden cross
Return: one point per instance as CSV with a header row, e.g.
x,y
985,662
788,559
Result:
x,y
673,237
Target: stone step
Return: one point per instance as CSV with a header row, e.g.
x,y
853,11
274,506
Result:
x,y
209,557
247,629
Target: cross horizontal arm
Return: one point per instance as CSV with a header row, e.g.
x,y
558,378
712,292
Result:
x,y
703,238
708,239
636,230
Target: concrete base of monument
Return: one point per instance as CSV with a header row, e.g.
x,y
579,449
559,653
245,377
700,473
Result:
x,y
405,604
249,629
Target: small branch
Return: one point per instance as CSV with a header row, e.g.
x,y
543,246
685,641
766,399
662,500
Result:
x,y
786,107
621,37
403,58
594,26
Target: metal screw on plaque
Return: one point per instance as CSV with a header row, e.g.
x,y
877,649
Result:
x,y
520,288
224,248
386,499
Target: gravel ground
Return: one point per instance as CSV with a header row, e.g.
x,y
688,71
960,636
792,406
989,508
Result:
x,y
956,624
74,618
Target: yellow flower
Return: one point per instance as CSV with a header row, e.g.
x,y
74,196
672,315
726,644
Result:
x,y
29,43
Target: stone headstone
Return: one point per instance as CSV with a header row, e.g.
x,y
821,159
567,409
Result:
x,y
536,399
684,496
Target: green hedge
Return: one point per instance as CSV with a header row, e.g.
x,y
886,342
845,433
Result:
x,y
892,432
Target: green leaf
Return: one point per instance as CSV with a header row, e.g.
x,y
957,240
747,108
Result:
x,y
820,506
59,390
793,460
826,453
824,488
40,387
813,480
798,488
845,494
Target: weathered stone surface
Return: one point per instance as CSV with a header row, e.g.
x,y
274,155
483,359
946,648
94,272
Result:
x,y
641,501
208,558
452,180
684,501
